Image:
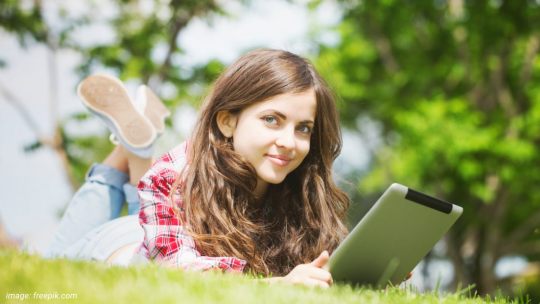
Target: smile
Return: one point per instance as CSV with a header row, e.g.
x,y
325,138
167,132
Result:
x,y
279,160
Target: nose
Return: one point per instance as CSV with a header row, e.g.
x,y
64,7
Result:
x,y
286,139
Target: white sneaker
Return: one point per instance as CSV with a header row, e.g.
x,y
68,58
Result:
x,y
152,107
107,97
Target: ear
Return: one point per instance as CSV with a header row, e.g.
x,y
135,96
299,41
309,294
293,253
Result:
x,y
226,122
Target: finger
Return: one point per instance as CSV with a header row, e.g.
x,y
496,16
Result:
x,y
320,274
321,260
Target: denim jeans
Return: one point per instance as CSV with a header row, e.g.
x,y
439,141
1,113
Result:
x,y
91,227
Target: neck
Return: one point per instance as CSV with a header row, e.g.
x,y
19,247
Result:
x,y
260,189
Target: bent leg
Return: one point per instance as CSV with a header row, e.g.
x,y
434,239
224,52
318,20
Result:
x,y
138,166
99,200
103,242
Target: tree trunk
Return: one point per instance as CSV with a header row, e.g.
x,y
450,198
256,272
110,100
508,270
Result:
x,y
461,277
484,270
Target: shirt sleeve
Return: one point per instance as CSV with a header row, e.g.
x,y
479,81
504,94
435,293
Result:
x,y
166,241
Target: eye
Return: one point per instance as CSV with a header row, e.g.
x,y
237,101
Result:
x,y
270,119
304,129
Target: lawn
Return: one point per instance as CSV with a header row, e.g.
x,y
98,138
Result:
x,y
27,278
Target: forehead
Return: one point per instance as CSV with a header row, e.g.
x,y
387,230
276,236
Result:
x,y
298,106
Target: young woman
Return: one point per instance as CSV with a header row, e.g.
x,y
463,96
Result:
x,y
252,189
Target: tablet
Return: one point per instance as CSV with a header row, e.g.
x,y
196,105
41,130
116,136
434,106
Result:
x,y
392,238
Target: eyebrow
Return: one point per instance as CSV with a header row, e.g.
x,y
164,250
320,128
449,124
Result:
x,y
283,116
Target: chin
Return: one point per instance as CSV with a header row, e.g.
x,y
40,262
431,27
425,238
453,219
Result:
x,y
273,179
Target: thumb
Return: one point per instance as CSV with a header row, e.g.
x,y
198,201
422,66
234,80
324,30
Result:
x,y
321,260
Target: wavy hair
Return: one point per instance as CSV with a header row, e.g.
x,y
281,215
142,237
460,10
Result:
x,y
297,219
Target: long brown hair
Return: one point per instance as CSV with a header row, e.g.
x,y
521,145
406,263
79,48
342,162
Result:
x,y
298,218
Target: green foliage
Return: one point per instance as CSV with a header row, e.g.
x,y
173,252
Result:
x,y
31,147
142,35
145,50
96,283
533,291
454,85
24,23
82,151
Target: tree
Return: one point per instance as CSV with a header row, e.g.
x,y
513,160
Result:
x,y
454,86
139,32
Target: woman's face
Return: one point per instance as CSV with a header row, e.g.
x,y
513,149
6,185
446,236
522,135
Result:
x,y
274,135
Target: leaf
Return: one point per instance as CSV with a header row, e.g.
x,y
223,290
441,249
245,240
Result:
x,y
32,147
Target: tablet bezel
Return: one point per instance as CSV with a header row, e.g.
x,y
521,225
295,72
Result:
x,y
392,238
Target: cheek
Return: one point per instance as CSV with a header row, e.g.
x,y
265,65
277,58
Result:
x,y
303,149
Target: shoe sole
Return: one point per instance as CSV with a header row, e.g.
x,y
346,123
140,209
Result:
x,y
155,110
107,96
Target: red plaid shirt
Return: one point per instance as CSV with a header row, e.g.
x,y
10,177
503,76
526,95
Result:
x,y
166,241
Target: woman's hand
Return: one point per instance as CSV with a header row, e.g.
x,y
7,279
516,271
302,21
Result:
x,y
311,274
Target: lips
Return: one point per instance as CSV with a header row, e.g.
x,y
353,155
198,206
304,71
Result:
x,y
280,160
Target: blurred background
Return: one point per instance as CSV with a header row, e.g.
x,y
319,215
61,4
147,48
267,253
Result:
x,y
442,96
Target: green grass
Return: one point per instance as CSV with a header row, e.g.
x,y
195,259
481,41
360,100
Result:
x,y
27,275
